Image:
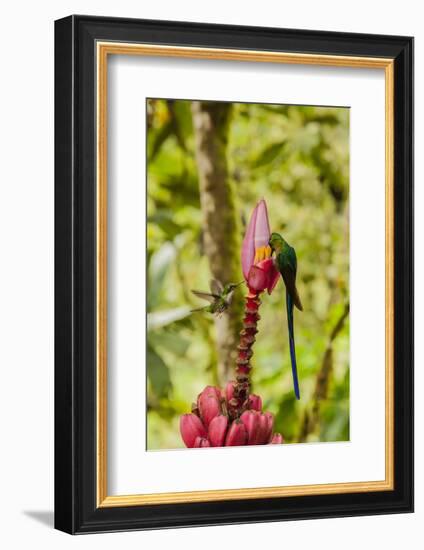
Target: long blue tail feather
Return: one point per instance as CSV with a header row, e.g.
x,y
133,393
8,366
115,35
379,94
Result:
x,y
289,305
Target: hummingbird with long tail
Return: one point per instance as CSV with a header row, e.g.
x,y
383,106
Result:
x,y
220,297
286,263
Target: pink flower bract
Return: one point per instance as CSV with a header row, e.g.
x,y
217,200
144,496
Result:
x,y
258,266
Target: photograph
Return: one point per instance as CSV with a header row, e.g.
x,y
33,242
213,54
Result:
x,y
247,282
210,279
233,272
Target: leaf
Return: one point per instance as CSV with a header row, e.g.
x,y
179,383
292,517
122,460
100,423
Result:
x,y
170,341
158,373
183,190
160,262
268,154
275,109
286,418
160,137
336,425
164,220
157,319
183,121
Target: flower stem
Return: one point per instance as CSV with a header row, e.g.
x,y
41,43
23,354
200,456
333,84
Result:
x,y
240,400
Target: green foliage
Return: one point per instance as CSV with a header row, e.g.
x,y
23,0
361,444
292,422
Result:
x,y
297,158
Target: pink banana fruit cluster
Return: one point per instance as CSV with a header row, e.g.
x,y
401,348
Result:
x,y
210,425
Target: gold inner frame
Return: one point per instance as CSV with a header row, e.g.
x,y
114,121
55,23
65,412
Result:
x,y
104,49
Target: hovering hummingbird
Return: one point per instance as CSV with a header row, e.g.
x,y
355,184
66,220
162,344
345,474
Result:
x,y
286,263
220,297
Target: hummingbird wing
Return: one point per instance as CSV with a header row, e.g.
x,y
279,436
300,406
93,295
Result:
x,y
216,287
287,266
205,296
288,271
204,308
289,278
229,298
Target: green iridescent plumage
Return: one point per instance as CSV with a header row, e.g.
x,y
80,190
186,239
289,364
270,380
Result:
x,y
220,297
286,263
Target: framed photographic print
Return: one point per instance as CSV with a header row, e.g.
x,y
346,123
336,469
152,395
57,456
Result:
x,y
234,274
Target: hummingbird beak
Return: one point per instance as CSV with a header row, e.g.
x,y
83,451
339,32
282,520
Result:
x,y
238,284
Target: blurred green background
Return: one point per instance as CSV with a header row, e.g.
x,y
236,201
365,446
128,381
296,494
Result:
x,y
297,158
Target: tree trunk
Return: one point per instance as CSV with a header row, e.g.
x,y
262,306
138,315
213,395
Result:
x,y
221,234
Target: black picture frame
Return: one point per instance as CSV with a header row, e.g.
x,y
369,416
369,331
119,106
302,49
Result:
x,y
76,510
